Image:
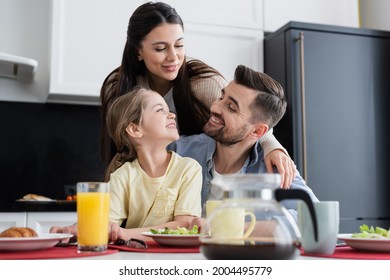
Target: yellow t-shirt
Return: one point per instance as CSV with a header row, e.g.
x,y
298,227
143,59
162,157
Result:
x,y
146,201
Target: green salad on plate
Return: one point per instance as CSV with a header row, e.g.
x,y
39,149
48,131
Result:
x,y
372,232
178,231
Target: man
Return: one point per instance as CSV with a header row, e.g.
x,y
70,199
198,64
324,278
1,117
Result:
x,y
250,105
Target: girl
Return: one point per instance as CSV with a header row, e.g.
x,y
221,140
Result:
x,y
149,186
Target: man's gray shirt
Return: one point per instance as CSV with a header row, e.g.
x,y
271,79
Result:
x,y
202,147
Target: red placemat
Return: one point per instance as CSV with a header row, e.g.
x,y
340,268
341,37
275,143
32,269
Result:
x,y
349,253
51,253
154,247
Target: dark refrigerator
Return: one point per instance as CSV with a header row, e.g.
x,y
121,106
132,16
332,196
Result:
x,y
337,84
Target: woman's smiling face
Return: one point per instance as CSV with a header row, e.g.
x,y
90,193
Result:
x,y
163,52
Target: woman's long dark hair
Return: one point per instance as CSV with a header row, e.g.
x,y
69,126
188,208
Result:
x,y
192,114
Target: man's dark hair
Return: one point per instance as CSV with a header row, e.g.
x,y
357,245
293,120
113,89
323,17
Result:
x,y
270,104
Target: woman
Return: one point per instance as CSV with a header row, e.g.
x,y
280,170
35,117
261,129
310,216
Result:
x,y
154,57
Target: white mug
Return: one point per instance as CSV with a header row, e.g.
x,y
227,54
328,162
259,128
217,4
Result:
x,y
229,224
211,205
327,213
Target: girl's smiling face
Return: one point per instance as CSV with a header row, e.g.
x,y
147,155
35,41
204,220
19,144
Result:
x,y
157,121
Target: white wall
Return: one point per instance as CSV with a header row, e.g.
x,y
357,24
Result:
x,y
223,33
375,14
332,12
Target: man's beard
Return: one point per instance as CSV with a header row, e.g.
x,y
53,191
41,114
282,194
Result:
x,y
223,136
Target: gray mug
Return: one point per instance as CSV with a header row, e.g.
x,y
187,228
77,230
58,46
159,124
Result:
x,y
327,213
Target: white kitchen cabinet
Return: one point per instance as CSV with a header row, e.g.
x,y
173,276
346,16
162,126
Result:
x,y
12,219
88,37
333,12
87,40
41,222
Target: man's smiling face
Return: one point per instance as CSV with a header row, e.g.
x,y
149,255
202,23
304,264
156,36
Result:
x,y
229,122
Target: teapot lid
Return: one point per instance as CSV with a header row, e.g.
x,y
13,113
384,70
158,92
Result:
x,y
247,185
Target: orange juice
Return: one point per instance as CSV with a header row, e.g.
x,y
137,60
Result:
x,y
92,215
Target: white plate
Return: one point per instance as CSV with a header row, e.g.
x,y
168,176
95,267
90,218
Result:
x,y
174,239
366,244
43,241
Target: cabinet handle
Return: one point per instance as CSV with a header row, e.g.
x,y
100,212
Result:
x,y
303,102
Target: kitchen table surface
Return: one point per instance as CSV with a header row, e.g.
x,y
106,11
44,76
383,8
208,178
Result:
x,y
131,263
114,252
156,251
163,256
175,265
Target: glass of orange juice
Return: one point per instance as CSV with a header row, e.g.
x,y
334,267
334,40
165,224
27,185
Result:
x,y
93,203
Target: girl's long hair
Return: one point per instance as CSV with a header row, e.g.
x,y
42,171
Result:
x,y
123,111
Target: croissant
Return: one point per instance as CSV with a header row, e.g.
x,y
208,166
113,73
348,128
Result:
x,y
19,232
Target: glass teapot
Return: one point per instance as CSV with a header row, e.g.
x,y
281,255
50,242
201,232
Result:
x,y
249,222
